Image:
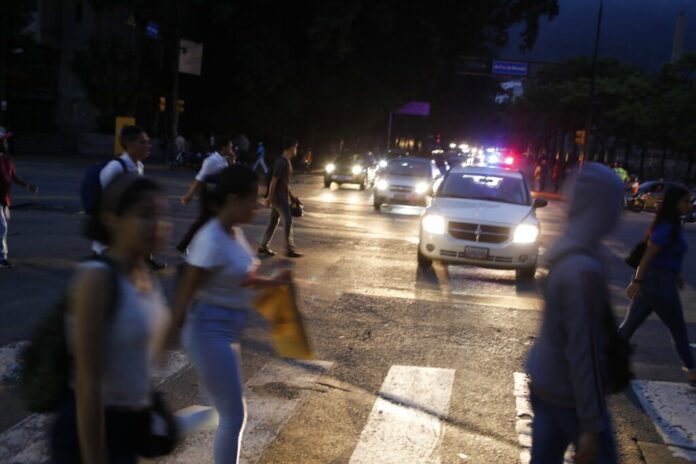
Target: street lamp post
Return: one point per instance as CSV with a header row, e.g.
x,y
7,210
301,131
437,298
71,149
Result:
x,y
593,78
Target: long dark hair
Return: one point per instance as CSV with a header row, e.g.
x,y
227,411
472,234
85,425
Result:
x,y
237,179
668,211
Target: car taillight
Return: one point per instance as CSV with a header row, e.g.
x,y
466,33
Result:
x,y
509,161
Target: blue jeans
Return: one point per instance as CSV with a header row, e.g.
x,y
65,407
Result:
x,y
555,427
211,339
659,293
4,218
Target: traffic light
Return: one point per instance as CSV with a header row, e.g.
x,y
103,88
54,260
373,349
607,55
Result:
x,y
580,137
162,104
180,106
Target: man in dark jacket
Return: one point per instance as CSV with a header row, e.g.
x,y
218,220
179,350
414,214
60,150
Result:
x,y
568,364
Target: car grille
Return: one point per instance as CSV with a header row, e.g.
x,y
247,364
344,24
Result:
x,y
479,232
461,254
400,189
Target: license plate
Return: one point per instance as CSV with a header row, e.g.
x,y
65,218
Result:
x,y
342,177
400,196
476,253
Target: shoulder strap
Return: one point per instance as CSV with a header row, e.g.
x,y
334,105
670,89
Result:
x,y
113,284
123,164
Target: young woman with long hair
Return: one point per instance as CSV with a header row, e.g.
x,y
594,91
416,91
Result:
x,y
658,279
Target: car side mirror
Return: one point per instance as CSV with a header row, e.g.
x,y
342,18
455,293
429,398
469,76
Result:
x,y
539,203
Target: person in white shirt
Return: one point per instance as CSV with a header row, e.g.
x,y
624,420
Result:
x,y
212,166
136,146
216,290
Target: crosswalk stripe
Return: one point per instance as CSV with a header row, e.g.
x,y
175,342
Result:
x,y
272,396
27,441
672,408
405,422
9,366
525,415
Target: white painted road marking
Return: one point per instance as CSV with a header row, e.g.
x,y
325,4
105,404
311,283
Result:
x,y
672,408
9,361
272,397
27,441
405,423
525,415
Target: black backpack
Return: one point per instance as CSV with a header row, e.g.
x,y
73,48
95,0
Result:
x,y
618,350
91,187
46,365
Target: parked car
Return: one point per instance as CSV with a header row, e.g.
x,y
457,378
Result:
x,y
351,169
484,216
649,196
406,181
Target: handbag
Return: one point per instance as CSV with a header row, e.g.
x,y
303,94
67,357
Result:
x,y
162,435
296,208
636,255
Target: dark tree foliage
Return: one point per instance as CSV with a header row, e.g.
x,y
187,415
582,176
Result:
x,y
326,70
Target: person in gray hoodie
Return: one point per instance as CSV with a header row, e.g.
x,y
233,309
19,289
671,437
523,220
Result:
x,y
567,365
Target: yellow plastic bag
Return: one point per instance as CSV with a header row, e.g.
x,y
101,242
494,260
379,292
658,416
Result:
x,y
279,306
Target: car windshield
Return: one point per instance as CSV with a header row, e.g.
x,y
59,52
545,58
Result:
x,y
408,168
485,187
350,159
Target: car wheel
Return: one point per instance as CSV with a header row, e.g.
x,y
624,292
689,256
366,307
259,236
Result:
x,y
423,261
327,183
363,184
377,204
637,207
527,273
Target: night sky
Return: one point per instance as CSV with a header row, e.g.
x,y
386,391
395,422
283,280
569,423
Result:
x,y
636,31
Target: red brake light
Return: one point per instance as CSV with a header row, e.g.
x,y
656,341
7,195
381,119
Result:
x,y
509,161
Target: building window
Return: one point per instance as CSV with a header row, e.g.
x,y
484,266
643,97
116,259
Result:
x,y
79,10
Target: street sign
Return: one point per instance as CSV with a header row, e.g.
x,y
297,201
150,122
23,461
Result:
x,y
510,68
415,108
152,30
121,121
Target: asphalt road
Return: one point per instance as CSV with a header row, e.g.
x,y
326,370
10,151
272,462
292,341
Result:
x,y
371,314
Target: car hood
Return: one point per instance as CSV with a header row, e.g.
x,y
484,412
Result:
x,y
485,212
406,181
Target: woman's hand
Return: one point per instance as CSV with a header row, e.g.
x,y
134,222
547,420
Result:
x,y
283,278
633,290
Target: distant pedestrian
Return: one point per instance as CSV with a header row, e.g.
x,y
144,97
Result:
x,y
214,295
556,176
543,174
116,327
279,199
537,176
658,278
222,158
261,159
136,146
8,176
180,144
568,363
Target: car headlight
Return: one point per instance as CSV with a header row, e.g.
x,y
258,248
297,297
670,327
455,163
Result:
x,y
356,170
421,188
330,168
383,164
434,224
382,184
526,233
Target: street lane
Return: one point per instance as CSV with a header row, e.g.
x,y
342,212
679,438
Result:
x,y
368,308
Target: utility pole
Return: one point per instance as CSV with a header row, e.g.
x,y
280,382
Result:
x,y
176,50
588,124
389,130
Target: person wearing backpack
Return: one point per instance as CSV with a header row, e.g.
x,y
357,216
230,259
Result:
x,y
116,325
215,293
569,363
8,176
223,157
136,145
658,279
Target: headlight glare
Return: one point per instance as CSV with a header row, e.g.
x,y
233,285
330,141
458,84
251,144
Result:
x,y
526,233
382,184
383,164
421,188
357,170
330,168
434,224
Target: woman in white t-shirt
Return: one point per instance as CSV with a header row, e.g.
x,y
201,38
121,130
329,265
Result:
x,y
217,288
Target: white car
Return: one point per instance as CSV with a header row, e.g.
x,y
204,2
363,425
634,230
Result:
x,y
406,181
483,216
